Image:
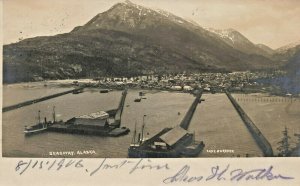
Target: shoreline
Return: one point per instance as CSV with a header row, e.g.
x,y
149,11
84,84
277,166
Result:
x,y
90,83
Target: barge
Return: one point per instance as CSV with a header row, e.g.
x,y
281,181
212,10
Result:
x,y
97,123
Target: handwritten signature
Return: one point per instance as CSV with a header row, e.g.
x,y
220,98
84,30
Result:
x,y
219,174
216,173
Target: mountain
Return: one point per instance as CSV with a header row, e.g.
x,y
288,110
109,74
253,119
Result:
x,y
287,52
293,66
240,42
287,47
292,80
127,40
266,49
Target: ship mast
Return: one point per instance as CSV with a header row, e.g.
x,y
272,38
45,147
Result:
x,y
53,114
39,116
134,134
194,137
143,128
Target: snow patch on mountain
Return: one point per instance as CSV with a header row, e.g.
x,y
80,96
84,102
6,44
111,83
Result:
x,y
226,34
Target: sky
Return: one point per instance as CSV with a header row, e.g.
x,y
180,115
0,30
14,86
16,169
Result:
x,y
272,22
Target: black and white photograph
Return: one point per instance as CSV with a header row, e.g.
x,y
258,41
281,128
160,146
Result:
x,y
151,79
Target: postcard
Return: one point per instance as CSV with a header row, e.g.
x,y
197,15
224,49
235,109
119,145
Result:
x,y
176,92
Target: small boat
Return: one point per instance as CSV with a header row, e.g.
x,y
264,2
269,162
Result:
x,y
137,99
76,83
35,128
104,91
141,93
39,127
77,91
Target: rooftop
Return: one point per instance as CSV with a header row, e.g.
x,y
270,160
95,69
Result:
x,y
89,122
95,115
173,135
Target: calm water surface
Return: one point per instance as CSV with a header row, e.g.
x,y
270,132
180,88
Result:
x,y
16,93
215,121
271,114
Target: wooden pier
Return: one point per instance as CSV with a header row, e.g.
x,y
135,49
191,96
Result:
x,y
33,101
119,110
189,115
259,138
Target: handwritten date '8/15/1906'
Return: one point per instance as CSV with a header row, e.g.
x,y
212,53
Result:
x,y
214,173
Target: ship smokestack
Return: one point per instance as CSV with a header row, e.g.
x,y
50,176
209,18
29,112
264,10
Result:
x,y
45,124
39,116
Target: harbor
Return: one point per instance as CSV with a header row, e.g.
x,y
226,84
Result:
x,y
101,123
170,142
215,122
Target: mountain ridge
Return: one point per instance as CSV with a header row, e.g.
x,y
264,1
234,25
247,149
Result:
x,y
287,47
238,41
127,40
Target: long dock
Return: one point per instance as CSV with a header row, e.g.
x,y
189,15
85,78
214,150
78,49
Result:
x,y
259,138
33,101
119,111
189,115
